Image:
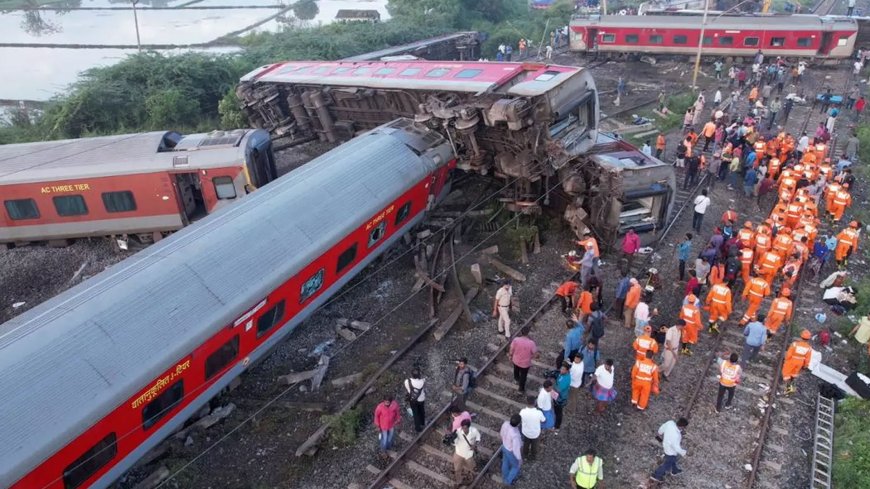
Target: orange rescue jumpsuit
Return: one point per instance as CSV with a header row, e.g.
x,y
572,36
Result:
x,y
796,358
755,291
746,256
692,316
762,244
768,265
783,243
746,238
644,343
847,240
644,379
780,311
840,202
719,302
717,274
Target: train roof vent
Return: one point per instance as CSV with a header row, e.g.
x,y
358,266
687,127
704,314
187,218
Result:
x,y
178,161
212,139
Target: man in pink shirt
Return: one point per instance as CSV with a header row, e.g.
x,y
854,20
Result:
x,y
522,351
630,245
387,416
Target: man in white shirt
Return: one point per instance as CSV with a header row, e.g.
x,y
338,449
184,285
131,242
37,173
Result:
x,y
501,308
465,443
646,148
671,434
576,370
802,145
531,418
603,389
642,314
717,98
701,203
511,449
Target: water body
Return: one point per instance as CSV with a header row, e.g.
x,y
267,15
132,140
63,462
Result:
x,y
38,73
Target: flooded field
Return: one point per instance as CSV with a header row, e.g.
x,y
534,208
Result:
x,y
38,72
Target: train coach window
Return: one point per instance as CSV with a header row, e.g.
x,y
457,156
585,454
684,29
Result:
x,y
681,40
377,233
608,38
119,201
726,41
437,72
750,41
311,286
804,42
218,360
22,209
842,41
346,258
84,467
160,406
631,38
409,72
224,188
385,71
70,205
547,75
270,318
362,71
777,41
403,213
468,73
656,38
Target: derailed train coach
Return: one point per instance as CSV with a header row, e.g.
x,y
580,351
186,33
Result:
x,y
528,123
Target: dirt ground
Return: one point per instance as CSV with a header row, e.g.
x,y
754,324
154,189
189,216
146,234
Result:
x,y
253,447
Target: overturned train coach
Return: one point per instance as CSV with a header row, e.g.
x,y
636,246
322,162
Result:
x,y
528,123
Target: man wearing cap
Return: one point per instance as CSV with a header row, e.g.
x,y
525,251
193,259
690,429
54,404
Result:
x,y
501,308
796,359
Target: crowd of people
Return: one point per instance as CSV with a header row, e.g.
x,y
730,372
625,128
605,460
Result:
x,y
739,266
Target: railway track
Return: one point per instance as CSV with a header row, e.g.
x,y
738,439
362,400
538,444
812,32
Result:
x,y
426,462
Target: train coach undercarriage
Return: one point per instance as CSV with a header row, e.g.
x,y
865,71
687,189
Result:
x,y
537,149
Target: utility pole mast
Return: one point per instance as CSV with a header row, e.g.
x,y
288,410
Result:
x,y
136,21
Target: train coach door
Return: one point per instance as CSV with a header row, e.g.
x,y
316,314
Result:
x,y
825,46
189,194
260,159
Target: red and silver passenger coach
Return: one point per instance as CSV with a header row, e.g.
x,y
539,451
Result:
x,y
805,36
95,377
142,184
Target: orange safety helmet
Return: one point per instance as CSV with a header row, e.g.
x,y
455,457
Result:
x,y
805,334
747,224
785,292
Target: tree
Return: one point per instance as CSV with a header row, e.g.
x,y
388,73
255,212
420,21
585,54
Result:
x,y
171,109
440,12
232,116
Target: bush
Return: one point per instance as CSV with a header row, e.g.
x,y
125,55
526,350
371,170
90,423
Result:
x,y
852,444
343,428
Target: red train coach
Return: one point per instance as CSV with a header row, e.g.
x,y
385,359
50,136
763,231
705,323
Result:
x,y
95,377
805,36
134,184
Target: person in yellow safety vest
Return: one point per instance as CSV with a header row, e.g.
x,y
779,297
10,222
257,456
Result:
x,y
729,377
645,343
587,471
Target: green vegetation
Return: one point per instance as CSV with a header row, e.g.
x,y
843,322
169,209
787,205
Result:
x,y
195,92
852,444
343,428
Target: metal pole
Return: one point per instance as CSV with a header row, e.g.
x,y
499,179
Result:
x,y
700,46
604,6
136,21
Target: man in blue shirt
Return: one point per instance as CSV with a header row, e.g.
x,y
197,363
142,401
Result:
x,y
756,336
683,251
590,356
573,340
749,181
621,291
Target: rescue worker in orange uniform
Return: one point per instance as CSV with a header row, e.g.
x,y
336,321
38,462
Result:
x,y
780,311
840,202
783,243
719,305
763,242
730,215
746,257
644,380
589,240
645,343
691,314
800,246
831,191
796,359
717,273
793,212
768,266
729,377
791,270
773,167
746,236
847,243
566,293
584,304
754,292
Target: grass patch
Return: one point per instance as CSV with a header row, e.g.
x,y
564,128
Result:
x,y
852,444
343,428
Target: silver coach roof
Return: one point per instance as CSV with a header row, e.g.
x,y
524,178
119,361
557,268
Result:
x,y
116,155
68,362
